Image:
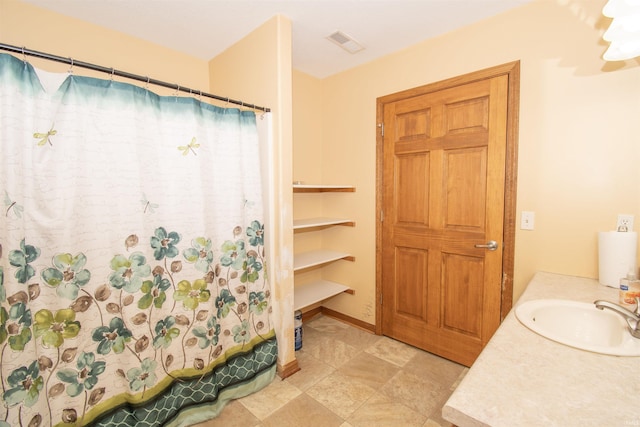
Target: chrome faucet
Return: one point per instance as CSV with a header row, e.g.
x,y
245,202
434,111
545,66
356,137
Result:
x,y
632,317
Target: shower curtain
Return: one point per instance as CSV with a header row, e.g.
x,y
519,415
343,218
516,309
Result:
x,y
133,288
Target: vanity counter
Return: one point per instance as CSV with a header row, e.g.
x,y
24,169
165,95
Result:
x,y
524,379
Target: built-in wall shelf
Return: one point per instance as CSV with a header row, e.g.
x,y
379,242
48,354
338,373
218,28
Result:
x,y
302,224
311,188
315,292
319,257
306,294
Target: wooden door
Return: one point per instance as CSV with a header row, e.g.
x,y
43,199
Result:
x,y
446,182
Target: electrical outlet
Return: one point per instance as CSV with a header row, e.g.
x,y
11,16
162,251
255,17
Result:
x,y
625,222
527,220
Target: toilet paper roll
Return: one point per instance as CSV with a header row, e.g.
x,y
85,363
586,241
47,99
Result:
x,y
617,254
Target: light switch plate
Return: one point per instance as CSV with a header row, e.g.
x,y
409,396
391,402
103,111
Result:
x,y
527,220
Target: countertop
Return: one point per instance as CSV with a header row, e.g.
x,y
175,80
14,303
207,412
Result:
x,y
522,379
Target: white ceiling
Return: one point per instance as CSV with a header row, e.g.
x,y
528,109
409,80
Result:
x,y
205,28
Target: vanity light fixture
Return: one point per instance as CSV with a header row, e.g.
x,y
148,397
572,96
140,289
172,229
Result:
x,y
345,41
624,31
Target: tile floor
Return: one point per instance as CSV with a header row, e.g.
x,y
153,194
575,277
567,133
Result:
x,y
350,378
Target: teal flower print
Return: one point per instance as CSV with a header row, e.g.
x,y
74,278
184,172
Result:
x,y
208,336
129,273
55,328
224,302
199,254
255,232
251,268
21,259
233,254
3,292
241,333
4,316
115,336
165,332
163,244
192,295
18,326
68,275
154,292
25,384
86,377
144,376
258,302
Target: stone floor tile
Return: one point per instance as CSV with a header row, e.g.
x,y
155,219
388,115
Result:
x,y
303,411
369,370
392,351
421,395
340,394
311,371
270,399
380,411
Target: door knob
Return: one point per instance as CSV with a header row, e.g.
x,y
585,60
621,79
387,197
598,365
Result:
x,y
492,245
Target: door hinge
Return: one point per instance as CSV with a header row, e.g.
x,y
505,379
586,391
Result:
x,y
381,126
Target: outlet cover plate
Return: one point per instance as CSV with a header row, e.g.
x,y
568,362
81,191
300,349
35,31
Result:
x,y
625,222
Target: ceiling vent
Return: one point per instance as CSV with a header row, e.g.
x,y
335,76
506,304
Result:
x,y
346,42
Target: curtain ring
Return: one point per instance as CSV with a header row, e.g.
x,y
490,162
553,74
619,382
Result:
x,y
146,85
24,56
71,67
112,73
177,92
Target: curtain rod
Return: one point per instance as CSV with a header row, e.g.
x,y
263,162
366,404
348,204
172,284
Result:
x,y
113,72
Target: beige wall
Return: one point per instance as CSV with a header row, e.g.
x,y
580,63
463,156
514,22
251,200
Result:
x,y
258,69
22,24
307,164
578,145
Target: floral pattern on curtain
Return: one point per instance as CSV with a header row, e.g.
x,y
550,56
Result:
x,y
132,281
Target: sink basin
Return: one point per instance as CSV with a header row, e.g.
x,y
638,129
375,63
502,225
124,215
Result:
x,y
580,325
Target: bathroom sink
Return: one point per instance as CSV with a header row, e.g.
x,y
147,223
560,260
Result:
x,y
580,325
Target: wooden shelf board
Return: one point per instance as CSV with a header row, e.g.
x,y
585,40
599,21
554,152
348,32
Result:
x,y
319,257
314,292
299,224
305,188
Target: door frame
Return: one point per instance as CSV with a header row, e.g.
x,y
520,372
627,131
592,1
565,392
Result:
x,y
512,70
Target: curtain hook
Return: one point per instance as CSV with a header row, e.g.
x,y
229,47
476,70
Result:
x,y
146,85
71,66
200,96
24,56
112,73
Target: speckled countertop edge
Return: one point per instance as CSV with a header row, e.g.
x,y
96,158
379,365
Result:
x,y
523,379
